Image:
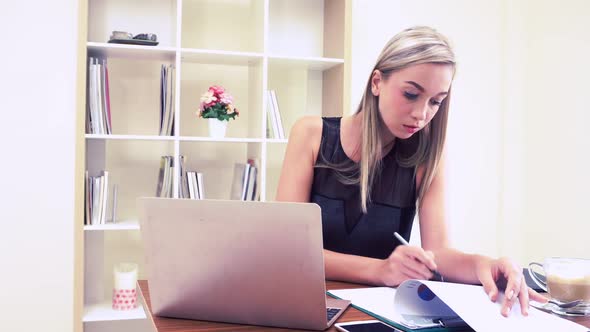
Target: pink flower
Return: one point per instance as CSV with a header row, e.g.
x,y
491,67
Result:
x,y
208,97
217,90
226,98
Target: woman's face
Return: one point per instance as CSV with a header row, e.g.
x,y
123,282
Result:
x,y
409,98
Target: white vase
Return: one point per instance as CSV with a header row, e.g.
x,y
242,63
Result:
x,y
217,128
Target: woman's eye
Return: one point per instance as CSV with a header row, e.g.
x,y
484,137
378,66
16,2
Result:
x,y
436,103
410,96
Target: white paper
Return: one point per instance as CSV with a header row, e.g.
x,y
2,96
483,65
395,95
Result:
x,y
473,305
469,302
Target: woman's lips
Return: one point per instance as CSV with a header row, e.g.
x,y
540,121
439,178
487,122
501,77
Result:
x,y
411,129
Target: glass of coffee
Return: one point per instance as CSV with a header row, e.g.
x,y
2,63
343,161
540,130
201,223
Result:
x,y
567,279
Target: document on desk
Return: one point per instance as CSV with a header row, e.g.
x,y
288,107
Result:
x,y
419,304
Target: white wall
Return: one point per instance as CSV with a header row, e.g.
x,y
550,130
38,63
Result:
x,y
474,133
557,142
38,103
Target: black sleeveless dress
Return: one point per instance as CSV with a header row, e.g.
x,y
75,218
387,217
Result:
x,y
345,228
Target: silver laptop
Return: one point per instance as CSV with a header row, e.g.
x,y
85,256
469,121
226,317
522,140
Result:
x,y
256,263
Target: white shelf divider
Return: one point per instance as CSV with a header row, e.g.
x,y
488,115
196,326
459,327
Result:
x,y
220,140
312,63
219,57
130,137
131,51
277,141
109,226
103,311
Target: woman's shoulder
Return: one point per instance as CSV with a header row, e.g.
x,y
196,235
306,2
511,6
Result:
x,y
307,127
307,131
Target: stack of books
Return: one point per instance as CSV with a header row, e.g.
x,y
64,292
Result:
x,y
244,185
167,87
274,122
190,183
98,105
95,199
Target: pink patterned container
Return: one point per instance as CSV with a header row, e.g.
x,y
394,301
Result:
x,y
124,291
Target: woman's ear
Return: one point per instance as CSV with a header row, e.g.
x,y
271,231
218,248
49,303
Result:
x,y
376,82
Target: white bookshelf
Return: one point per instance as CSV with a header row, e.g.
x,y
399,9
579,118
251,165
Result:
x,y
295,47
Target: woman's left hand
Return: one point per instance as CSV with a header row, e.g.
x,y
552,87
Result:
x,y
503,273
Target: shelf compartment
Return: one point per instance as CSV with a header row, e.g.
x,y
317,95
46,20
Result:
x,y
216,161
133,16
134,93
307,28
240,29
134,166
243,82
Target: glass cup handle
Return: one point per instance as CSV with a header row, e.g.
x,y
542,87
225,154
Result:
x,y
537,281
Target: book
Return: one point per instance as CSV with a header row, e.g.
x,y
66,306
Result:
x,y
201,190
442,306
241,176
167,87
275,102
183,190
86,199
161,177
104,196
108,97
191,185
98,105
252,191
114,204
270,117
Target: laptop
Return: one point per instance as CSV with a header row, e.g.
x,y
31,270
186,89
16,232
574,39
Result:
x,y
246,262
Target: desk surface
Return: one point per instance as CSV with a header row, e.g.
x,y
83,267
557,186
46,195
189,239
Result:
x,y
184,325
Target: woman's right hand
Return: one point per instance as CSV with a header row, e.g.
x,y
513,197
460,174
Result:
x,y
405,262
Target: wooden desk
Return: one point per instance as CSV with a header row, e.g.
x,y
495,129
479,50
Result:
x,y
162,324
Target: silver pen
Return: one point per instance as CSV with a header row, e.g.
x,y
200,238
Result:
x,y
436,276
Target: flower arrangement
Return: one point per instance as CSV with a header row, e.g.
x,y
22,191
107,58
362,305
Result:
x,y
216,103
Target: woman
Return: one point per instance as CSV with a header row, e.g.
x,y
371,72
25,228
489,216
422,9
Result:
x,y
371,171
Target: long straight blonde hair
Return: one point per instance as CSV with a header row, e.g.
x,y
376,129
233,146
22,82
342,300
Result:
x,y
413,46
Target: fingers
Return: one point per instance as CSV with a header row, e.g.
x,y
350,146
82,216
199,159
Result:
x,y
513,286
534,296
416,269
424,257
489,285
405,258
524,298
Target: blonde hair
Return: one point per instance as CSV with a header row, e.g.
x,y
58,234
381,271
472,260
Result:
x,y
413,46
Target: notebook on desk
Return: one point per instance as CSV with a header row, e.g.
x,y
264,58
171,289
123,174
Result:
x,y
241,262
437,306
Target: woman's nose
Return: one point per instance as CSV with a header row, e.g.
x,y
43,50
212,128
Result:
x,y
419,112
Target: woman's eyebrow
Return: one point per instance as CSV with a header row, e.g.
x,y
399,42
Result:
x,y
419,87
